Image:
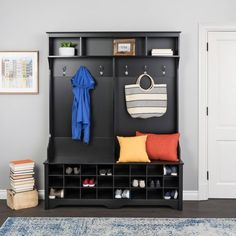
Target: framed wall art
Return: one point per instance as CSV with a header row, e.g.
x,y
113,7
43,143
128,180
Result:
x,y
124,47
19,72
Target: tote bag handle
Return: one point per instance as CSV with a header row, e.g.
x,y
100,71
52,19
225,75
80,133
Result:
x,y
150,78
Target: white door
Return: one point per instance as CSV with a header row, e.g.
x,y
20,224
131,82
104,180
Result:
x,y
222,114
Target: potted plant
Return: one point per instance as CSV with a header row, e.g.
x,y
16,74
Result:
x,y
67,49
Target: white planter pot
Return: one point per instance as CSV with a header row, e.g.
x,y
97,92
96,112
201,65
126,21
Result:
x,y
66,52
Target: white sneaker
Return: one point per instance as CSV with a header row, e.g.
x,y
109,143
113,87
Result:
x,y
126,194
135,183
118,193
141,183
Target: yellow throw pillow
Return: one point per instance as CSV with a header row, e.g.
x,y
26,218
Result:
x,y
133,149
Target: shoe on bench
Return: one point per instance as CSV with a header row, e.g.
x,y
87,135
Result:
x,y
126,194
69,170
76,170
135,183
142,183
109,173
167,170
118,193
174,170
167,196
102,172
174,194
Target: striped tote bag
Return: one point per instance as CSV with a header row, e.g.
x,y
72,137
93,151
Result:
x,y
146,103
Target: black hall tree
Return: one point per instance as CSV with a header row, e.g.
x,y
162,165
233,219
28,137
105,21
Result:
x,y
109,119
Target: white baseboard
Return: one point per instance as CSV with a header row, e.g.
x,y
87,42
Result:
x,y
187,195
190,195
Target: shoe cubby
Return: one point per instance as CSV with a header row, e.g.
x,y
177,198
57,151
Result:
x,y
72,170
88,193
122,182
155,194
138,170
72,181
105,181
155,170
138,179
171,182
106,193
138,193
155,180
102,170
122,169
72,193
55,181
88,170
55,169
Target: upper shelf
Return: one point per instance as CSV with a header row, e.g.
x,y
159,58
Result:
x,y
104,56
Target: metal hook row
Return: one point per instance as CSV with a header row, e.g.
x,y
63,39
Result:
x,y
101,70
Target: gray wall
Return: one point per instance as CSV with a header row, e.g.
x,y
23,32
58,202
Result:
x,y
24,118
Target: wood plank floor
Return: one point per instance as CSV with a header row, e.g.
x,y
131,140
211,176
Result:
x,y
211,208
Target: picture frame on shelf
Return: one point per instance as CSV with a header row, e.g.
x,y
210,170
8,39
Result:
x,y
19,72
124,47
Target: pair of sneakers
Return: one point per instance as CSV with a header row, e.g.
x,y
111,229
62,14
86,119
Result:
x,y
70,170
103,172
154,184
170,170
122,194
138,183
89,183
171,194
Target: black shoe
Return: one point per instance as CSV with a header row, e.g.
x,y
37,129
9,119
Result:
x,y
152,184
174,171
158,184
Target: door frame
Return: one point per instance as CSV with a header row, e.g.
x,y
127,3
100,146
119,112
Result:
x,y
204,29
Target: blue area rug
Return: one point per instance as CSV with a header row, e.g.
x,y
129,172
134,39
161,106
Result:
x,y
32,226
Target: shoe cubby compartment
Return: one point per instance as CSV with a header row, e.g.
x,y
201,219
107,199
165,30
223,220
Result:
x,y
72,181
88,193
104,168
155,170
72,193
122,169
121,182
171,191
171,182
138,193
106,193
78,168
88,170
155,179
56,181
171,166
105,181
155,194
138,178
138,170
55,169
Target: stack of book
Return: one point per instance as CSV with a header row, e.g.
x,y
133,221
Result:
x,y
22,175
162,52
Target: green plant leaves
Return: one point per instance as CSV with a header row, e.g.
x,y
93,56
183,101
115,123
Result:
x,y
68,45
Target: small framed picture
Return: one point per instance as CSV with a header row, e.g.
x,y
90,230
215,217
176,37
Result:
x,y
124,47
19,72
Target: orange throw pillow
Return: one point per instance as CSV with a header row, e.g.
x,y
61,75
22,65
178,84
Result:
x,y
162,146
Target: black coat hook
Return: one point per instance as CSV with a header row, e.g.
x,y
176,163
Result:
x,y
126,70
101,70
64,70
163,69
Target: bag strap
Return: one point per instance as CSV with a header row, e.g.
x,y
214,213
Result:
x,y
151,79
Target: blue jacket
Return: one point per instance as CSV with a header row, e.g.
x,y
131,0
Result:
x,y
82,82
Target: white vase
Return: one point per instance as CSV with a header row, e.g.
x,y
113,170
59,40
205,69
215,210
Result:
x,y
66,51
